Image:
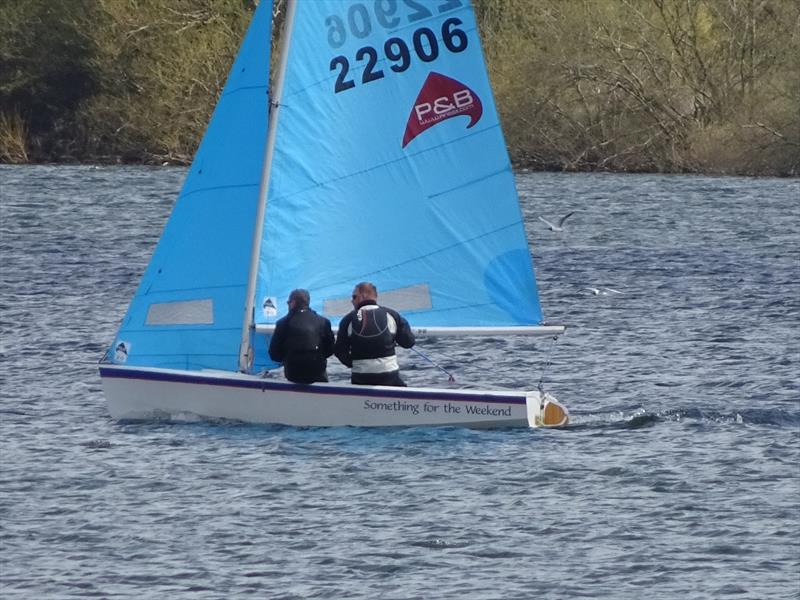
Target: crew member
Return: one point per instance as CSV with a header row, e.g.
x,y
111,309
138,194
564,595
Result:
x,y
367,338
302,341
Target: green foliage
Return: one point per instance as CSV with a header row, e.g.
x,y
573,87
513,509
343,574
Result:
x,y
164,65
648,85
631,85
129,80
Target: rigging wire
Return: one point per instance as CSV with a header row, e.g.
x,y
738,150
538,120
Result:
x,y
450,377
549,355
540,385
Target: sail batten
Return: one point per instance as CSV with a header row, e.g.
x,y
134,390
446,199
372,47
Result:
x,y
431,253
506,169
218,188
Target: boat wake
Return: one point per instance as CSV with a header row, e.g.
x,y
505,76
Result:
x,y
640,417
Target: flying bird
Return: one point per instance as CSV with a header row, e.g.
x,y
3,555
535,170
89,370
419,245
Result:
x,y
560,226
602,291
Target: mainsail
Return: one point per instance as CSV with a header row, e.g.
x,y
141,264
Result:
x,y
390,166
187,311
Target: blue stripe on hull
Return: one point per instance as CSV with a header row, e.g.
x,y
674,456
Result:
x,y
263,385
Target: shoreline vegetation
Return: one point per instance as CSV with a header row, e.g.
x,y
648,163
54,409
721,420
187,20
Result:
x,y
667,86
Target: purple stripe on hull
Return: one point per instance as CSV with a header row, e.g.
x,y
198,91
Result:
x,y
264,385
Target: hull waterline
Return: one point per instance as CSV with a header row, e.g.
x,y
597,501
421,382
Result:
x,y
148,393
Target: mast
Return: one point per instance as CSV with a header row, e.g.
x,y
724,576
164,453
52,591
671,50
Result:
x,y
245,349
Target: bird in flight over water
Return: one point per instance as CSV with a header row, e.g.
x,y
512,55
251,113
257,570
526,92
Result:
x,y
560,226
602,291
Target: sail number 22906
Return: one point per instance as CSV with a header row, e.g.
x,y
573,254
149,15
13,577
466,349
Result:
x,y
396,51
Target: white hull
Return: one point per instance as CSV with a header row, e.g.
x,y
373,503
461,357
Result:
x,y
146,393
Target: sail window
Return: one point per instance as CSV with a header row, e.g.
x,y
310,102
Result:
x,y
413,297
190,312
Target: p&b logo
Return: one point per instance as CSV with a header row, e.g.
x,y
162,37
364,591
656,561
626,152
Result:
x,y
441,98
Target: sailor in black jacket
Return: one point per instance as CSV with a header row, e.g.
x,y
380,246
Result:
x,y
302,341
367,338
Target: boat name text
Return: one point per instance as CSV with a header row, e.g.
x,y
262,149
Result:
x,y
437,407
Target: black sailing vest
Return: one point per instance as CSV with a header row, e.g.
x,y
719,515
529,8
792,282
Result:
x,y
373,331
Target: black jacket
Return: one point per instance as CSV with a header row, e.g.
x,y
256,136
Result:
x,y
302,341
368,336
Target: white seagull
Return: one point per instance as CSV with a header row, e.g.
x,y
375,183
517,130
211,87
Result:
x,y
602,291
560,226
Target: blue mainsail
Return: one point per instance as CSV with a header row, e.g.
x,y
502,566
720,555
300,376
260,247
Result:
x,y
390,166
188,310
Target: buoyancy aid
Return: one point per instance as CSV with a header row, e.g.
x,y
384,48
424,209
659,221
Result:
x,y
372,340
302,342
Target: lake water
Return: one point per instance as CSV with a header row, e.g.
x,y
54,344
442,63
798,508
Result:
x,y
678,478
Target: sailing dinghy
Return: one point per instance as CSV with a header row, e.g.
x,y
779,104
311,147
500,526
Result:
x,y
378,157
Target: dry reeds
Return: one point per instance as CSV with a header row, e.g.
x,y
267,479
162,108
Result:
x,y
13,138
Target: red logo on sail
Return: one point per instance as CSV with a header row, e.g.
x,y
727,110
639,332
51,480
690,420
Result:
x,y
441,98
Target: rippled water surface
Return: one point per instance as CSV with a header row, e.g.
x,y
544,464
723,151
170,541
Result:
x,y
678,478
